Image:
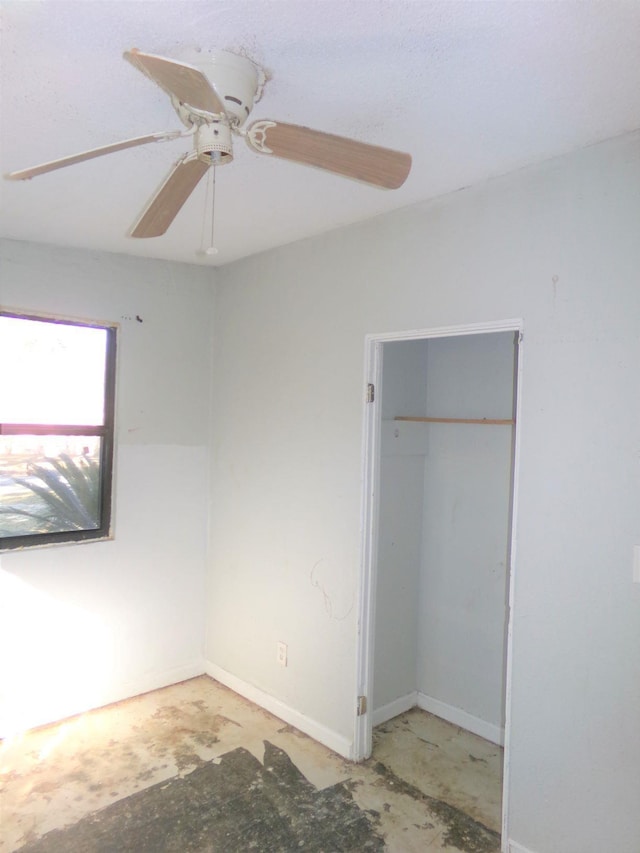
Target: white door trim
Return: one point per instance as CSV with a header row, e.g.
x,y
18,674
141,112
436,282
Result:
x,y
362,741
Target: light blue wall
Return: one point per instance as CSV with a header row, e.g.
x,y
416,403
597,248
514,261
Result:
x,y
83,625
556,245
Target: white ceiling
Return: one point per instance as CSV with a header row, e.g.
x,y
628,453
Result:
x,y
471,89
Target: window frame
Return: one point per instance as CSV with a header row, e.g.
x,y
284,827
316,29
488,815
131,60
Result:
x,y
106,432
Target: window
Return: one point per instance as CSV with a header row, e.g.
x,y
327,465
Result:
x,y
57,387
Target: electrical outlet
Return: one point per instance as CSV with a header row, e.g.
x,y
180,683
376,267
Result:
x,y
282,654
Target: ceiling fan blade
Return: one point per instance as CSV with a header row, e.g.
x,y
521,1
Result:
x,y
187,83
382,167
25,174
173,193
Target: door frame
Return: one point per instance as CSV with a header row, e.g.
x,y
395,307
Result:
x,y
371,436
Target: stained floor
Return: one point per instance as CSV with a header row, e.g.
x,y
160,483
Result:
x,y
194,767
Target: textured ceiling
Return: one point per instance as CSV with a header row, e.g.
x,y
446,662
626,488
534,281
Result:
x,y
470,89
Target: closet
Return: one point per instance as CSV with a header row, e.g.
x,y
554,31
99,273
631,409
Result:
x,y
445,492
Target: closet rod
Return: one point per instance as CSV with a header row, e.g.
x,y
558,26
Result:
x,y
502,421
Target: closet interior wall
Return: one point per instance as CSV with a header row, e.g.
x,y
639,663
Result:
x,y
443,530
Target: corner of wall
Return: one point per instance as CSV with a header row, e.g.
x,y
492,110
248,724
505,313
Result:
x,y
327,737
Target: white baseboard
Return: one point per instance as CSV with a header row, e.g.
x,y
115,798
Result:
x,y
34,718
454,715
334,741
393,709
162,679
514,847
461,718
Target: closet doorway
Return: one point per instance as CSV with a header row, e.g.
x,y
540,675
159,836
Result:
x,y
440,450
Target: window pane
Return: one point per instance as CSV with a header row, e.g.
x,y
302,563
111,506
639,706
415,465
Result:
x,y
49,484
52,373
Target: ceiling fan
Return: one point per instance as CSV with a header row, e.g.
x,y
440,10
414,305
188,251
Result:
x,y
213,98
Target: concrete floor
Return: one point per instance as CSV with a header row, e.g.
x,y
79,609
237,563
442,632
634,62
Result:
x,y
194,767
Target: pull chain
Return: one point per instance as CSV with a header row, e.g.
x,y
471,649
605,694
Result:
x,y
204,212
212,249
209,203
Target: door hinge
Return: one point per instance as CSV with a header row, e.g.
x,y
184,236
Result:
x,y
362,705
371,392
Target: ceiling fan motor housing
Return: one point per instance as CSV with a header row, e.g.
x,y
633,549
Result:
x,y
236,79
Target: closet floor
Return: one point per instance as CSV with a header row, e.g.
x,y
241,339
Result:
x,y
194,767
445,762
